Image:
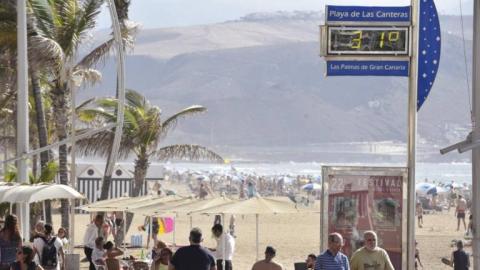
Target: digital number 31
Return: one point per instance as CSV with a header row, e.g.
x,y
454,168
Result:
x,y
392,37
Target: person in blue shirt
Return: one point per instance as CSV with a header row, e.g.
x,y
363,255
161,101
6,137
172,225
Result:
x,y
333,258
460,259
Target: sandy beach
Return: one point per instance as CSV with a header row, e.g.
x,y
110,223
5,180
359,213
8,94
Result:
x,y
294,236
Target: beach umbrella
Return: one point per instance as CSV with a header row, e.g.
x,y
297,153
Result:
x,y
128,203
437,190
26,194
36,193
254,206
423,188
312,186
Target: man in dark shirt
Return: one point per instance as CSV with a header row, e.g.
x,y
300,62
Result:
x,y
193,257
460,258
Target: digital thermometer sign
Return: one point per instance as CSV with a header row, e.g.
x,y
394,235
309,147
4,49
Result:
x,y
352,40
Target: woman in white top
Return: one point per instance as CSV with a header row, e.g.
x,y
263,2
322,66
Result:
x,y
62,236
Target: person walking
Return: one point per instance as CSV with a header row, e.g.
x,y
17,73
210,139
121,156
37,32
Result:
x,y
419,214
460,259
333,258
268,263
10,240
225,247
49,250
370,256
460,211
91,234
194,256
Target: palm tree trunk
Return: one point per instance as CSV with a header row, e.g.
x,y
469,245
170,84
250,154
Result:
x,y
140,171
40,118
60,115
107,179
35,166
42,133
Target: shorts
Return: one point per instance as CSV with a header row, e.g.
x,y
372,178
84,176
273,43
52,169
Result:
x,y
461,215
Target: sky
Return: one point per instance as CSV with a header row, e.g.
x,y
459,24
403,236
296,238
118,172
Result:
x,y
173,13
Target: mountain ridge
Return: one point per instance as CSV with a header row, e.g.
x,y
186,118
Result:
x,y
263,82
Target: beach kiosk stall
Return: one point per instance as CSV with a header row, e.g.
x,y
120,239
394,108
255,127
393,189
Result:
x,y
358,199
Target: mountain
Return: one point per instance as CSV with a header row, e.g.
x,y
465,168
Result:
x,y
263,83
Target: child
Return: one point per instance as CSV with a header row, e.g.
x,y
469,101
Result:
x,y
98,253
419,213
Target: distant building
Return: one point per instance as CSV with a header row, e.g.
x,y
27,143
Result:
x,y
90,176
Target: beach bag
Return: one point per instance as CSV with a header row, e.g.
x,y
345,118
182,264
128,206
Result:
x,y
49,254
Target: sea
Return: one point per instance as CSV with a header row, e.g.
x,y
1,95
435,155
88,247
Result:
x,y
309,159
438,172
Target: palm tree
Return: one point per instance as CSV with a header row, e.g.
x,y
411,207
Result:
x,y
143,133
69,22
44,55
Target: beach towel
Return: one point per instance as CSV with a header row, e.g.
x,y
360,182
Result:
x,y
166,225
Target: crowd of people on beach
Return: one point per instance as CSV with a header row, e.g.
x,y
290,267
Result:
x,y
47,249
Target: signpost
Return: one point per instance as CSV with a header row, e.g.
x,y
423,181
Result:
x,y
383,41
366,41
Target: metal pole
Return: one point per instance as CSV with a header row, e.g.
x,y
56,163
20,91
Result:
x,y
44,211
73,171
476,137
174,229
120,88
22,107
124,234
322,206
224,242
149,234
256,236
412,132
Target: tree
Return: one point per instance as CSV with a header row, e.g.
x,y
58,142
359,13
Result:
x,y
143,133
69,22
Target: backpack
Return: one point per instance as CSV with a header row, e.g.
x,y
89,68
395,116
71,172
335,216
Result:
x,y
49,253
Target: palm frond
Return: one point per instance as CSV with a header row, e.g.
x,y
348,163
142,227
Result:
x,y
43,52
98,54
135,99
48,173
102,51
108,103
100,145
43,13
96,145
188,152
84,104
171,122
87,19
87,75
88,115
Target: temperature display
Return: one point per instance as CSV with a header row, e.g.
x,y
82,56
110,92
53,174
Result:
x,y
368,40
